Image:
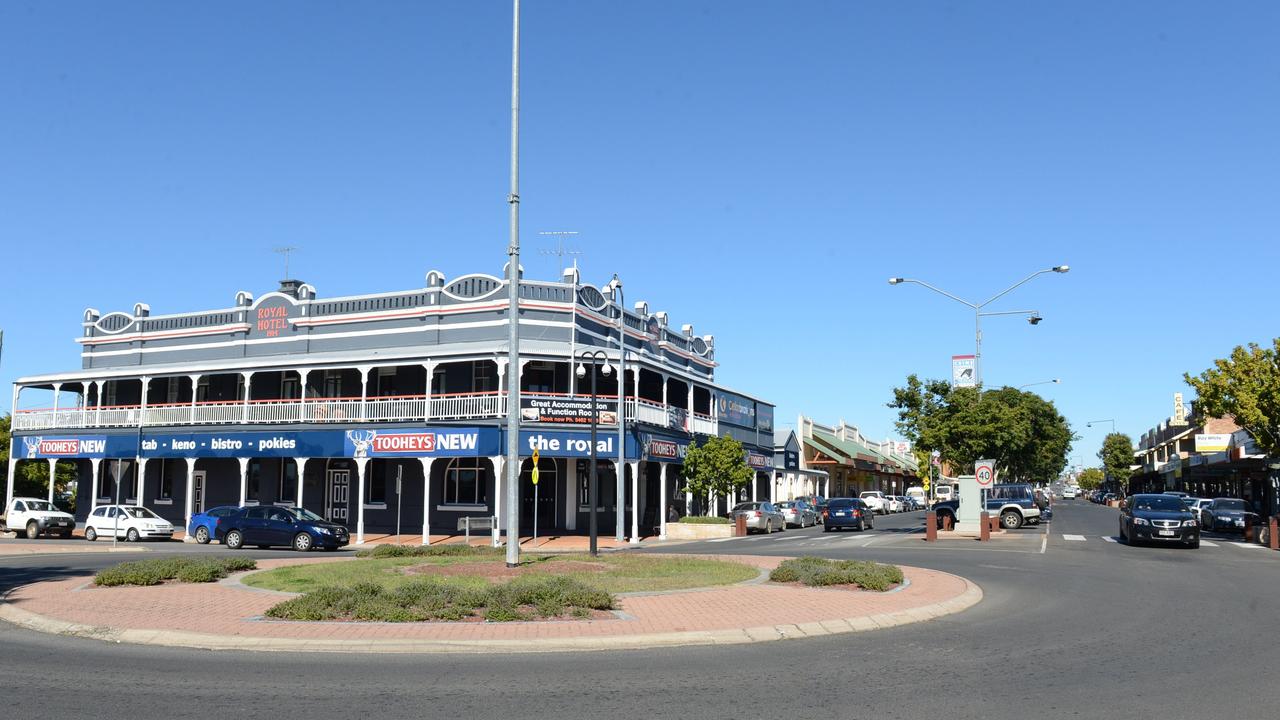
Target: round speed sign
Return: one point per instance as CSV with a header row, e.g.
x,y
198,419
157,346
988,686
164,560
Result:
x,y
985,473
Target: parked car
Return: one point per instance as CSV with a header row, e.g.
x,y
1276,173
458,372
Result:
x,y
1176,493
945,509
1014,504
131,522
848,513
761,516
267,525
894,503
798,513
202,525
918,497
1225,514
1195,505
1162,518
944,492
34,517
1109,497
817,502
876,501
1068,493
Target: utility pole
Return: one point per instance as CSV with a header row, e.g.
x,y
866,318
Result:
x,y
513,309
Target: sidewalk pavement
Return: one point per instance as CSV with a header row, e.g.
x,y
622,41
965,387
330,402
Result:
x,y
229,616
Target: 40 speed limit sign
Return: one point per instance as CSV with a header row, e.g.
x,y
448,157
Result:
x,y
985,472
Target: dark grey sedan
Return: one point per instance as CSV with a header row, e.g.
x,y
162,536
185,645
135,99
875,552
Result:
x,y
1225,515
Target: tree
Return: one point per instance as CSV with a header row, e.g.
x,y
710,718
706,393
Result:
x,y
1024,433
1091,479
1245,386
718,467
1117,457
32,477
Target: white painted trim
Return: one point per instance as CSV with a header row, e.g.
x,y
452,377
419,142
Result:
x,y
461,508
162,334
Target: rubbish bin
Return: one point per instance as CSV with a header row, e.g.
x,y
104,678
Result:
x,y
740,525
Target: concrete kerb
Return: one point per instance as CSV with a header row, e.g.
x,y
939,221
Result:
x,y
971,596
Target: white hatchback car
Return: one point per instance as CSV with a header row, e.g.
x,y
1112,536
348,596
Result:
x,y
875,500
131,522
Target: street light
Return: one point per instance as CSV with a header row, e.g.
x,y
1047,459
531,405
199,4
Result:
x,y
595,357
1091,422
1033,316
1054,381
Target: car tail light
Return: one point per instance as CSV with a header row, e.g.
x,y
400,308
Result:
x,y
857,513
755,513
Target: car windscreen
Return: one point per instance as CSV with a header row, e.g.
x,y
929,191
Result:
x,y
140,512
40,506
1229,505
785,505
306,515
745,506
1162,503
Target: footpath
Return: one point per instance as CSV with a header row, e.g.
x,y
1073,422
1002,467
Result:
x,y
230,616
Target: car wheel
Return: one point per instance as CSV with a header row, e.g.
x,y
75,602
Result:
x,y
234,540
302,542
202,535
33,530
1010,520
90,534
1194,544
132,535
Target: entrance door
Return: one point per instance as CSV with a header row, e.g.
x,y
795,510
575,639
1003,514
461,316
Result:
x,y
548,482
338,485
197,491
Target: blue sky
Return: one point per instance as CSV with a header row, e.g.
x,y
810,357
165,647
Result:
x,y
756,169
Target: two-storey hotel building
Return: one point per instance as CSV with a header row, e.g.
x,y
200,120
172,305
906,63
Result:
x,y
383,410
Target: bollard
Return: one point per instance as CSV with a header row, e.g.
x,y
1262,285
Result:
x,y
1273,541
931,526
1248,528
984,527
740,525
946,522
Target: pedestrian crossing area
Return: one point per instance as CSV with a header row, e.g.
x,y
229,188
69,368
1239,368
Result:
x,y
1073,538
809,540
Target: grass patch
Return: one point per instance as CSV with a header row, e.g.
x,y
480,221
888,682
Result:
x,y
612,573
154,572
819,572
705,520
440,598
395,551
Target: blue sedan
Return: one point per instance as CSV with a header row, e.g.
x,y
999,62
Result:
x,y
203,525
266,525
847,513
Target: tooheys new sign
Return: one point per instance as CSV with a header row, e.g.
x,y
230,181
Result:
x,y
55,447
439,442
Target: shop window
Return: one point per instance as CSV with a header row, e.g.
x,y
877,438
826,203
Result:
x,y
165,491
287,485
253,487
606,489
464,482
376,485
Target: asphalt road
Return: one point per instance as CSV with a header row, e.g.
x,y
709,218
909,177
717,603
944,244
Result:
x,y
1069,628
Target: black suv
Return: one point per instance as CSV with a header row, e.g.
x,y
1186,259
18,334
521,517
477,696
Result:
x,y
1158,518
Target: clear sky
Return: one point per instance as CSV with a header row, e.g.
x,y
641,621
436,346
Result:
x,y
756,169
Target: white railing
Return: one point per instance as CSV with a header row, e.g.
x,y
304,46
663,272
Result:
x,y
396,408
467,405
702,425
461,406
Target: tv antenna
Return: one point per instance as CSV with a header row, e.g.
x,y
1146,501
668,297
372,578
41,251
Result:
x,y
560,251
285,251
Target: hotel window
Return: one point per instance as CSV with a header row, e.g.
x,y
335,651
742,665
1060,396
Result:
x,y
376,488
384,382
254,482
606,487
464,482
287,483
109,392
484,376
172,386
290,387
332,383
202,389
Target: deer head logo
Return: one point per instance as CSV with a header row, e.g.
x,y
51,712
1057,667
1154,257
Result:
x,y
361,439
33,446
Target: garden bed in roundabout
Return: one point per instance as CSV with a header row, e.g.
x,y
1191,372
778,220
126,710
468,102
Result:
x,y
453,583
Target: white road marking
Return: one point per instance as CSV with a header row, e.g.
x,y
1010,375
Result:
x,y
1206,543
791,537
1108,538
1247,546
1077,538
724,539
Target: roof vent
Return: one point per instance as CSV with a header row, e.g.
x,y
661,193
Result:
x,y
290,287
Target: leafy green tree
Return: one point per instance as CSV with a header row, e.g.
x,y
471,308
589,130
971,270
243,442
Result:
x,y
32,477
1245,386
1117,457
1024,433
1091,479
717,467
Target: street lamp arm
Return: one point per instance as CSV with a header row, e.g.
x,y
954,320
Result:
x,y
1010,312
940,291
1015,286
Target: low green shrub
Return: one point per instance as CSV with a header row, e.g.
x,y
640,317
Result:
x,y
445,599
705,520
454,550
156,571
820,572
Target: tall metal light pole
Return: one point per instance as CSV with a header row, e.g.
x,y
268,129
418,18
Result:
x,y
621,521
595,357
1113,424
1054,381
1034,318
513,309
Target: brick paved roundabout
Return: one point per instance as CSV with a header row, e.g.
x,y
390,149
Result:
x,y
229,615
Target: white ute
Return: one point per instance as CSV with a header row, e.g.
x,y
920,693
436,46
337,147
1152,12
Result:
x,y
34,517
